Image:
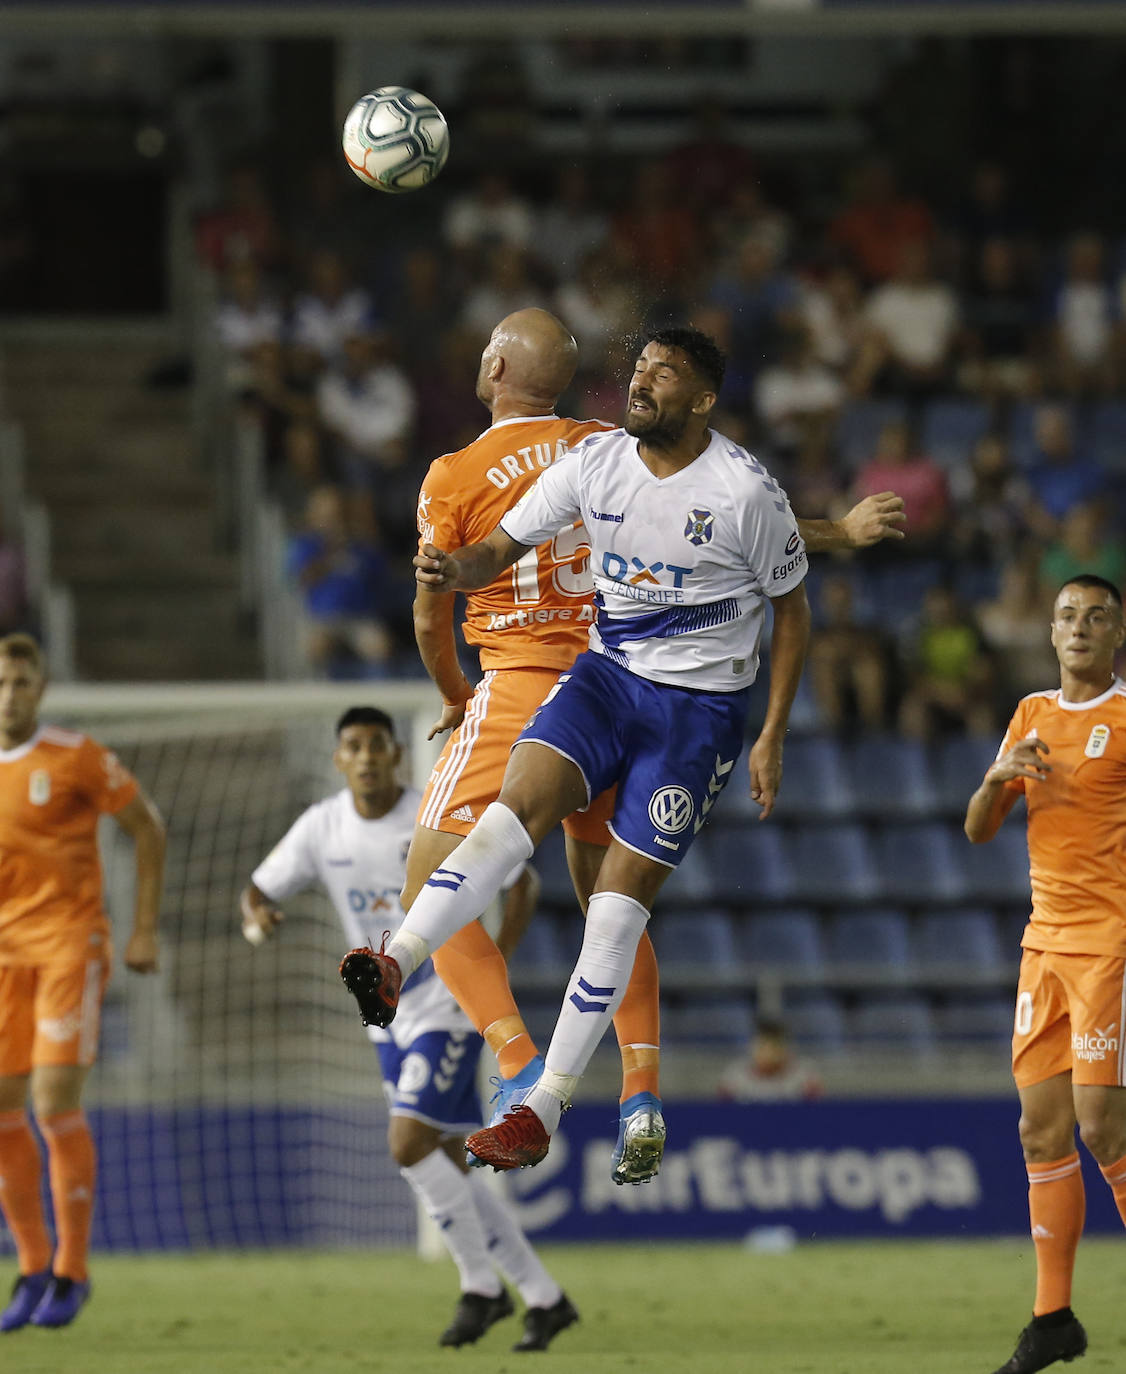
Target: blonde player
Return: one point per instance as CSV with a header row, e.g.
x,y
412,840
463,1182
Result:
x,y
530,624
1065,752
55,960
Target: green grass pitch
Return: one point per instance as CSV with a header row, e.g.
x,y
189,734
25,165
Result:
x,y
830,1308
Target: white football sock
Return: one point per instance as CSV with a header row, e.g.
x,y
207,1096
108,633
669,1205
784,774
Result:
x,y
462,888
614,924
445,1193
509,1248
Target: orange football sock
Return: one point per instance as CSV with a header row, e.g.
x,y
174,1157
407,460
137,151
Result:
x,y
638,1025
72,1165
20,1168
474,970
1115,1175
1057,1208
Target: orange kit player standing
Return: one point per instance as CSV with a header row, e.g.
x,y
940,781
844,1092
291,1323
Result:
x,y
1065,752
55,960
530,625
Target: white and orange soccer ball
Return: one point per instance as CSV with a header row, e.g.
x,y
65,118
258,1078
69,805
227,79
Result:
x,y
395,139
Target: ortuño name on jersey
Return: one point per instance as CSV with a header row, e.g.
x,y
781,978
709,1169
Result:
x,y
682,565
361,864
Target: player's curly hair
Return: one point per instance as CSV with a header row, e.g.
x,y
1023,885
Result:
x,y
701,349
365,715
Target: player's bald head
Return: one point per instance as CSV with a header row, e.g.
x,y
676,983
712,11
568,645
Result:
x,y
531,354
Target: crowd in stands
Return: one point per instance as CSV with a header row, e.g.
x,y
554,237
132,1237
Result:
x,y
950,352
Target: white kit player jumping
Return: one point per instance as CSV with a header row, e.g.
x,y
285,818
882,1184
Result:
x,y
690,535
354,844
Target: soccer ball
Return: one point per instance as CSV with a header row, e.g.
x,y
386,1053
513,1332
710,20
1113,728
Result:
x,y
395,139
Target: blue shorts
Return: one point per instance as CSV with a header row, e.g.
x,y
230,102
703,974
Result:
x,y
434,1080
670,750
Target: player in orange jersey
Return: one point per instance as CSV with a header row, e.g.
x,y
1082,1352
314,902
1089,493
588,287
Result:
x,y
1065,752
54,963
530,625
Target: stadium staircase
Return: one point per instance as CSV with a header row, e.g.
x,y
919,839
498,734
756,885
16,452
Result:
x,y
138,530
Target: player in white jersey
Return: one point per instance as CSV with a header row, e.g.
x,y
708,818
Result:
x,y
354,844
689,536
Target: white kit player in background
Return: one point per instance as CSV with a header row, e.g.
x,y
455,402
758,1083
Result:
x,y
689,537
354,845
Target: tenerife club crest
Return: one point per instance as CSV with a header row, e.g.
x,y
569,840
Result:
x,y
699,527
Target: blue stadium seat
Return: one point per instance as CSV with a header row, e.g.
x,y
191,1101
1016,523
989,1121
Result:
x,y
695,937
690,883
876,938
723,1022
998,871
814,783
951,428
832,863
960,763
967,935
542,947
893,1024
550,862
896,589
1022,430
889,777
816,1022
791,938
858,428
920,863
1108,435
976,1020
748,864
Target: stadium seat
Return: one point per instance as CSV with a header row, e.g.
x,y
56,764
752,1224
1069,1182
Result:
x,y
998,871
951,428
1022,431
724,1022
889,777
791,938
747,864
858,428
1108,435
832,863
967,935
816,1022
920,863
695,937
550,862
896,589
541,947
815,785
894,1024
960,763
976,1020
875,938
689,884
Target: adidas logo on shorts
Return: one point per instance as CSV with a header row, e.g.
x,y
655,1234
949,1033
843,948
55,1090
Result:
x,y
463,813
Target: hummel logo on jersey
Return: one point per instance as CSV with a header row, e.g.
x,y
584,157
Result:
x,y
463,813
606,515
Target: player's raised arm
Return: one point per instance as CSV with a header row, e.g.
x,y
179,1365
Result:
x,y
868,522
993,800
260,916
142,822
467,569
788,642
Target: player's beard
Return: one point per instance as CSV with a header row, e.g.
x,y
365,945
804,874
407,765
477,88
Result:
x,y
656,430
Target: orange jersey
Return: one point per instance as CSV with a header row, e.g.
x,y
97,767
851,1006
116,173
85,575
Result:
x,y
536,614
1076,822
53,788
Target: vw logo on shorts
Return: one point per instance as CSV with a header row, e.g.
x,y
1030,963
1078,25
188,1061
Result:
x,y
670,809
414,1073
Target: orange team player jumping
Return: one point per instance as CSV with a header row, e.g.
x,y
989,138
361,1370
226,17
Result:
x,y
55,960
1065,753
530,625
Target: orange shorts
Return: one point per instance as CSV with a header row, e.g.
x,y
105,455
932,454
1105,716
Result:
x,y
470,769
1069,1017
51,1014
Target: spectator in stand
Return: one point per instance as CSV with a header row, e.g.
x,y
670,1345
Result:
x,y
302,466
797,398
367,405
243,227
506,286
1084,545
329,213
14,609
879,223
570,227
598,307
761,303
332,310
833,309
769,1071
749,211
1060,476
949,673
1000,320
246,317
1084,319
422,304
449,414
489,215
989,213
710,166
990,502
850,663
280,390
913,325
898,466
1012,624
657,234
345,585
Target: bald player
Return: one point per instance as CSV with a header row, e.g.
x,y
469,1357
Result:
x,y
530,624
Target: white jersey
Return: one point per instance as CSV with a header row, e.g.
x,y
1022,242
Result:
x,y
362,864
682,565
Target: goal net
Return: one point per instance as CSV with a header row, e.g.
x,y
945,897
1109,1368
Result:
x,y
236,1100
